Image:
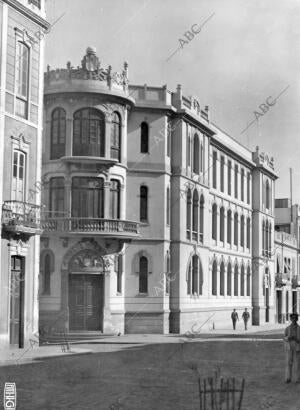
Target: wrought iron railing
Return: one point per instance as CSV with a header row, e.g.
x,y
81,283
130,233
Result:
x,y
17,214
97,225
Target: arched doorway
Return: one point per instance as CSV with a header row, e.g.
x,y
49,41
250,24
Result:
x,y
86,291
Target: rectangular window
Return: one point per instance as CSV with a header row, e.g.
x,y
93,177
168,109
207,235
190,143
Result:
x,y
229,177
57,196
236,171
242,184
22,79
114,210
222,173
87,197
18,180
214,169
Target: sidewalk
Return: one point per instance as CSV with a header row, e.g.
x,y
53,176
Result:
x,y
15,356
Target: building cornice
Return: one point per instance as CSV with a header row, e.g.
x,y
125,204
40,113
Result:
x,y
28,13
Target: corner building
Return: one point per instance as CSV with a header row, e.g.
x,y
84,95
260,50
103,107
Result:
x,y
23,27
146,166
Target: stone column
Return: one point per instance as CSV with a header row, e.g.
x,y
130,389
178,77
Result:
x,y
225,280
108,270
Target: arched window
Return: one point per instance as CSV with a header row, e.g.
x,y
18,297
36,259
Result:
x,y
195,274
266,238
214,170
222,217
188,213
242,281
168,273
58,133
236,224
263,238
119,273
22,79
267,194
236,171
168,206
214,278
201,218
236,280
248,281
47,267
143,203
222,279
270,239
144,137
229,274
196,154
214,221
201,157
195,214
114,199
229,225
89,133
248,232
189,279
115,137
242,183
277,264
143,276
242,239
188,148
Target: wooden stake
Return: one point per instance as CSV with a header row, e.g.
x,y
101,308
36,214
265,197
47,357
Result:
x,y
233,393
200,392
242,393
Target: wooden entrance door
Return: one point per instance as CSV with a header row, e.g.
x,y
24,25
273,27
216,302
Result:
x,y
86,302
17,301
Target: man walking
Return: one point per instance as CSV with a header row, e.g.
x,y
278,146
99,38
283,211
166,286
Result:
x,y
292,350
234,318
245,316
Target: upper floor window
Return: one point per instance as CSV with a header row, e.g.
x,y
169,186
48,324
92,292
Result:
x,y
196,151
168,205
214,278
201,217
267,194
242,183
222,173
195,276
201,157
188,213
236,223
143,203
87,197
22,79
236,170
188,148
248,232
169,134
214,221
114,199
195,215
57,196
18,180
89,133
229,177
229,223
58,133
248,187
214,169
144,137
115,137
242,237
222,221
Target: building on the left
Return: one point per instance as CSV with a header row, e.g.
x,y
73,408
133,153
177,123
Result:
x,y
22,30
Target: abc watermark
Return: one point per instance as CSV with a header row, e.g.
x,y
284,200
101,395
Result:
x,y
10,396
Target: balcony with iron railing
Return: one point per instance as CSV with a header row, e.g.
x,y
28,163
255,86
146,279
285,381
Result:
x,y
21,218
91,226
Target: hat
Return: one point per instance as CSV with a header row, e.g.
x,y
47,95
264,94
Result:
x,y
294,315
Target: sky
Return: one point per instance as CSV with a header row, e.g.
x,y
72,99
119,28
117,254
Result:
x,y
246,53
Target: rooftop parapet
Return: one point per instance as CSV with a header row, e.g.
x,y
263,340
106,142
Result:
x,y
190,103
90,70
263,160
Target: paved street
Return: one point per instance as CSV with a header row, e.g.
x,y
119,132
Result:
x,y
158,373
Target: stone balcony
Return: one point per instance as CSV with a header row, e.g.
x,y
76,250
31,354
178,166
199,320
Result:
x,y
110,228
285,238
21,218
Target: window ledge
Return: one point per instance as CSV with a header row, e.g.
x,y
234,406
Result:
x,y
141,295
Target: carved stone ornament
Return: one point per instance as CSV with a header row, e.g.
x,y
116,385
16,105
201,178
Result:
x,y
90,61
86,260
